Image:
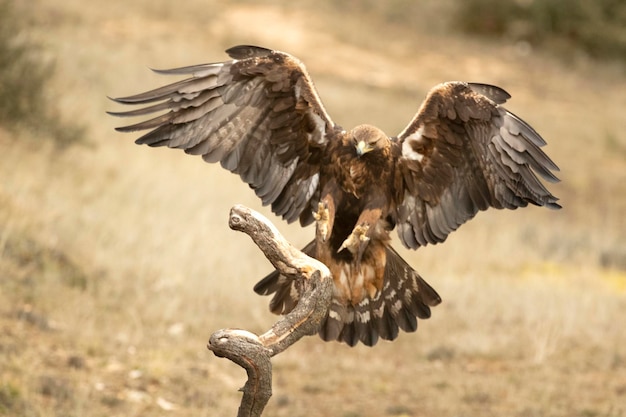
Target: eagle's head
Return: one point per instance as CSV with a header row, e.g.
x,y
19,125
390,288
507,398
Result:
x,y
367,138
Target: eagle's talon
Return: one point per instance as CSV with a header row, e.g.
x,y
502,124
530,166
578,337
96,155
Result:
x,y
357,241
349,243
322,212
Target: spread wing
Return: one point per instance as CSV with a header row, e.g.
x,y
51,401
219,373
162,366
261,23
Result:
x,y
463,152
258,115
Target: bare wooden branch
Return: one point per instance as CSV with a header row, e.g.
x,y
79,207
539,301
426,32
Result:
x,y
253,352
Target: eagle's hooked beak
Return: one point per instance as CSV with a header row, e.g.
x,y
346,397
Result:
x,y
362,148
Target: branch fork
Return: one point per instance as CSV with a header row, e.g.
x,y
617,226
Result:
x,y
252,352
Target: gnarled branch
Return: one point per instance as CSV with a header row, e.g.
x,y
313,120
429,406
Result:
x,y
253,352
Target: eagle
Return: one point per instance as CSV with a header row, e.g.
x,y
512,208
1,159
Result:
x,y
260,116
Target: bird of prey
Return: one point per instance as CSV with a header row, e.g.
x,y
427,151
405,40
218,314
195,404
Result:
x,y
260,116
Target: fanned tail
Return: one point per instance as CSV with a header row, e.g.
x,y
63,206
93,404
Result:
x,y
405,297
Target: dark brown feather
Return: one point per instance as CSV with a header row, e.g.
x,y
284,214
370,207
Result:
x,y
260,117
463,153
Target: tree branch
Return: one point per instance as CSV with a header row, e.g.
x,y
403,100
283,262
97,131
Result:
x,y
253,352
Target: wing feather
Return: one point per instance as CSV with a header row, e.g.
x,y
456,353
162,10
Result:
x,y
258,115
463,152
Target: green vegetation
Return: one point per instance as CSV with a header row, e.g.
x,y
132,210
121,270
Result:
x,y
24,77
596,27
9,398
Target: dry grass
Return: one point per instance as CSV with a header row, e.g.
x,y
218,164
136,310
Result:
x,y
116,261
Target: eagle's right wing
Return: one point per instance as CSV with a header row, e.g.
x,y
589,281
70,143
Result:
x,y
258,115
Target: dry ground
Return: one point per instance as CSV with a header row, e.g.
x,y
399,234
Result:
x,y
116,263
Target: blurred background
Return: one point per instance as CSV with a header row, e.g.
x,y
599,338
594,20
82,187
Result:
x,y
116,261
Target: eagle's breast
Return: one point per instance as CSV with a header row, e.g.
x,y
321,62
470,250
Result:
x,y
358,175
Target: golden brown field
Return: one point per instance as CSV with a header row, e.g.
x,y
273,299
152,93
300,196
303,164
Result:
x,y
116,261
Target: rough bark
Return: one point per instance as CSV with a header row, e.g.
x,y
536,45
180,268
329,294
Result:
x,y
252,352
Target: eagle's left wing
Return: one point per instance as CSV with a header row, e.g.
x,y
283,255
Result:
x,y
463,152
258,115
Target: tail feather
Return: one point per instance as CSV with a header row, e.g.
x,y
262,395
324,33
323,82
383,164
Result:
x,y
406,321
285,289
405,297
419,309
387,327
366,321
331,328
286,297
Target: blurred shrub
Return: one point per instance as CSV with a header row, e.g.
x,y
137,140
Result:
x,y
24,75
597,27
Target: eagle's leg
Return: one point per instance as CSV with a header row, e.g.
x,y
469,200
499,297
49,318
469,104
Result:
x,y
325,217
362,233
327,207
